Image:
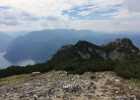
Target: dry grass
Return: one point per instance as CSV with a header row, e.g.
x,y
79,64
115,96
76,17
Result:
x,y
134,83
13,79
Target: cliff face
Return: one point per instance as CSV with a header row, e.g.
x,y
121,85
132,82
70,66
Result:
x,y
58,85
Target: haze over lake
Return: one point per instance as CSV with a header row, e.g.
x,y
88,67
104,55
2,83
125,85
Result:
x,y
4,63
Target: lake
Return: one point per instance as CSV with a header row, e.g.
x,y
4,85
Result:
x,y
5,63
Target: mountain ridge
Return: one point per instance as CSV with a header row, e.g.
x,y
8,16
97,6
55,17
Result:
x,y
80,71
85,56
85,50
39,46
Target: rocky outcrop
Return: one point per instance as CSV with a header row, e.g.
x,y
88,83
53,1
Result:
x,y
120,49
62,86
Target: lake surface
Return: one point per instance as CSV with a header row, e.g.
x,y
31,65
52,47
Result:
x,y
5,63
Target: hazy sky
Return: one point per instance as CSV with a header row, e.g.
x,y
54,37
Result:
x,y
97,15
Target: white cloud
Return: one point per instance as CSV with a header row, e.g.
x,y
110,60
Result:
x,y
133,5
39,13
43,7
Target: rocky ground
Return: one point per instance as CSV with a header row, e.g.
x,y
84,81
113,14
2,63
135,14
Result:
x,y
62,86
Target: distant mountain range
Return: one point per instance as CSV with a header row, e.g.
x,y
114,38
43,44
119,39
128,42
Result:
x,y
5,41
39,46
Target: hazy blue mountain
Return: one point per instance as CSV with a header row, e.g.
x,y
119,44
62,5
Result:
x,y
5,40
3,62
40,45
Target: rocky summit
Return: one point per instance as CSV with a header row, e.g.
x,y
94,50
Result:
x,y
116,50
59,85
84,53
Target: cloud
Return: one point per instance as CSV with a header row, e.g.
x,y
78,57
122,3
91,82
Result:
x,y
93,12
55,7
133,5
43,7
96,15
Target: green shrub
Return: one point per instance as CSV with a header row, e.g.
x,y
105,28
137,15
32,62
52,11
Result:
x,y
128,69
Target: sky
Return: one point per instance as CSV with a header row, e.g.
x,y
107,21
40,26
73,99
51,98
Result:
x,y
95,15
